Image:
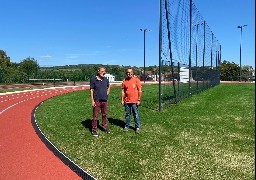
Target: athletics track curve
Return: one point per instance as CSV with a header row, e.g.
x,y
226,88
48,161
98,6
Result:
x,y
22,154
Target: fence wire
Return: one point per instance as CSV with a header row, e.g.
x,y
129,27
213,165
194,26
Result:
x,y
190,54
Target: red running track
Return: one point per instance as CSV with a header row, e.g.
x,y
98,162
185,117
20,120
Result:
x,y
22,154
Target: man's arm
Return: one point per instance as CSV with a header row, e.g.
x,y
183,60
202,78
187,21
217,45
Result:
x,y
92,99
139,95
122,93
139,91
108,90
92,86
122,97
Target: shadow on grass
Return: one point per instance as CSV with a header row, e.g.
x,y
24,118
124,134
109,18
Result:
x,y
120,123
116,122
87,123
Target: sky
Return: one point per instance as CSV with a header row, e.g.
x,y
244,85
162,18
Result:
x,y
65,32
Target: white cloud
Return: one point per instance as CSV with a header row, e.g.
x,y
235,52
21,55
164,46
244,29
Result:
x,y
46,56
110,62
72,56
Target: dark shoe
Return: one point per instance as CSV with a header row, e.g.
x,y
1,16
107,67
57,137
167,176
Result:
x,y
137,130
125,129
94,133
106,131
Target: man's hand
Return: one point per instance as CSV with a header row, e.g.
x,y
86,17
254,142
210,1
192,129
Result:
x,y
93,104
122,102
138,103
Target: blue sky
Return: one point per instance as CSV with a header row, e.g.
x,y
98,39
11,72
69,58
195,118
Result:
x,y
65,32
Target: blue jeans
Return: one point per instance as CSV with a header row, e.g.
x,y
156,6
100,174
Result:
x,y
128,108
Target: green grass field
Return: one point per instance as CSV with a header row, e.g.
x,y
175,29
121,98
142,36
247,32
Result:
x,y
12,90
207,136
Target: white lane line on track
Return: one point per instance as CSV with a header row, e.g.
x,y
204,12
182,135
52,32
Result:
x,y
45,94
8,108
17,103
13,105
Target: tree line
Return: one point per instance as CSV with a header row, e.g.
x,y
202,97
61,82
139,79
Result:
x,y
28,68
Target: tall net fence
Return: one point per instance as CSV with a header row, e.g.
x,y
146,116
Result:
x,y
190,54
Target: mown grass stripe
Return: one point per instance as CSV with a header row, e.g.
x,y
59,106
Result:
x,y
207,136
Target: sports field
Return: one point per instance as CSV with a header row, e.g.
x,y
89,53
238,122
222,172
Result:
x,y
207,136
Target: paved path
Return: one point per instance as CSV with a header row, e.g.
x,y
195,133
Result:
x,y
22,154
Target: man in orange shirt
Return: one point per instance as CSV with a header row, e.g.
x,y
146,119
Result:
x,y
130,98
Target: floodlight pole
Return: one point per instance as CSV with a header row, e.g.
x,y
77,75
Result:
x,y
144,66
196,51
241,27
160,55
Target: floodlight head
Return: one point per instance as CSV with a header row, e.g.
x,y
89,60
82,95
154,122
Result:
x,y
239,26
245,25
141,29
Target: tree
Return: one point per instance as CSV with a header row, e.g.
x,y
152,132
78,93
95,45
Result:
x,y
8,73
229,71
247,73
30,67
4,60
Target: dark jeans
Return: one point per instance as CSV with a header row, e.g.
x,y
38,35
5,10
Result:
x,y
131,107
100,106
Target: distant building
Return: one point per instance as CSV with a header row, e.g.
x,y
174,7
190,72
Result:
x,y
184,74
110,77
252,70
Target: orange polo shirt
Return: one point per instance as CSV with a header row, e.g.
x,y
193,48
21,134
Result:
x,y
131,89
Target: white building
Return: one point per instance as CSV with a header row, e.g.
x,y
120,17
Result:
x,y
184,74
110,77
